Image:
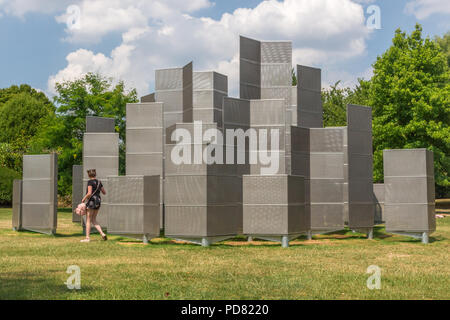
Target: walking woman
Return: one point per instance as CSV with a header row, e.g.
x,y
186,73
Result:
x,y
94,187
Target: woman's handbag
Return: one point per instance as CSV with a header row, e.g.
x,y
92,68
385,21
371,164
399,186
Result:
x,y
81,209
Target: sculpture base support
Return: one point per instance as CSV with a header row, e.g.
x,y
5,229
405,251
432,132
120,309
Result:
x,y
145,238
203,241
283,239
424,236
368,231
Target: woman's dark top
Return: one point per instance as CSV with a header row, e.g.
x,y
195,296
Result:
x,y
96,200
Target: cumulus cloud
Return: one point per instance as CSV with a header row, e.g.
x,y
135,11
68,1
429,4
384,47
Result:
x,y
423,9
158,34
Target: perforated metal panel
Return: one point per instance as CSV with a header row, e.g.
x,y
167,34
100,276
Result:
x,y
77,190
148,98
145,146
409,191
188,93
274,205
318,155
360,162
250,68
309,101
101,152
209,90
134,208
40,189
202,206
17,205
100,124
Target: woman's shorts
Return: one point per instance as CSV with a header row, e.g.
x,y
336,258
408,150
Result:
x,y
93,205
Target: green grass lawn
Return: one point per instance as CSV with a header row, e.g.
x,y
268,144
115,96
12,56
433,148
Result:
x,y
33,266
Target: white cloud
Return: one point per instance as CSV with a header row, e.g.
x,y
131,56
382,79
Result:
x,y
423,9
159,34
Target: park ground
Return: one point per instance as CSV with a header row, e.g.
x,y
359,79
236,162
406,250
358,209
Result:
x,y
33,266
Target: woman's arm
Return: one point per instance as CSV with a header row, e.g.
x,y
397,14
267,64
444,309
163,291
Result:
x,y
103,190
88,195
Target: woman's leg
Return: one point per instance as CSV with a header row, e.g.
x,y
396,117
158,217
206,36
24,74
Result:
x,y
96,225
89,216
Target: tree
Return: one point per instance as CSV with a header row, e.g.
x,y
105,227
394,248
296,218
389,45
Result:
x,y
444,44
22,112
92,95
410,96
7,93
21,116
336,99
294,77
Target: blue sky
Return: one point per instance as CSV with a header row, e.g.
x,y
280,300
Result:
x,y
126,40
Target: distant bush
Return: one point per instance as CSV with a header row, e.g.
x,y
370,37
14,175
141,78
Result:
x,y
6,184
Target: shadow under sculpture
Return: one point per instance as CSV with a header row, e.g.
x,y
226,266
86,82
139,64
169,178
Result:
x,y
409,192
134,207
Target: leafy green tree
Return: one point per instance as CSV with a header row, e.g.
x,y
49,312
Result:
x,y
91,95
336,99
7,177
8,93
22,112
410,96
21,116
444,44
294,77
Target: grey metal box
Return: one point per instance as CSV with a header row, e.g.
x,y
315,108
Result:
x,y
174,88
101,152
195,190
318,155
148,98
199,206
40,190
309,101
77,190
250,68
360,163
409,191
209,90
274,205
236,113
100,124
134,207
213,223
17,205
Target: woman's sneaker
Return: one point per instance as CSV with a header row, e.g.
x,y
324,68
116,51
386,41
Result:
x,y
85,240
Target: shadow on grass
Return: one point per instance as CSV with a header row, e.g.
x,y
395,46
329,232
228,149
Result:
x,y
71,235
34,287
